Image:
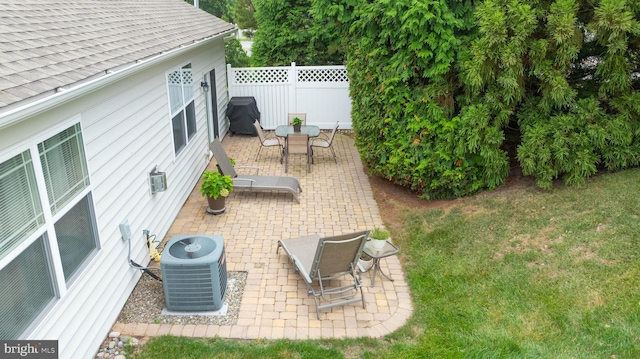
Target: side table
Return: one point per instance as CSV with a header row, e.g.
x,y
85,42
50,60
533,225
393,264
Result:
x,y
387,251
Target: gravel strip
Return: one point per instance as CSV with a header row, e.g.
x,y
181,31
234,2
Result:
x,y
147,300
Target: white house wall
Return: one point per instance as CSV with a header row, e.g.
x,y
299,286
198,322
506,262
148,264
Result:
x,y
126,129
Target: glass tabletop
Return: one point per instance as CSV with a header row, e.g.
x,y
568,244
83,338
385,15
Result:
x,y
388,250
284,130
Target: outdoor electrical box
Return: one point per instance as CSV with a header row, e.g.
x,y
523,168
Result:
x,y
158,181
125,230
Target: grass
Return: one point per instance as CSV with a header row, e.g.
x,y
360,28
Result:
x,y
520,274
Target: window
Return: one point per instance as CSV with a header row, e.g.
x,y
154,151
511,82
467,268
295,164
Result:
x,y
28,288
76,236
20,208
26,237
182,105
64,167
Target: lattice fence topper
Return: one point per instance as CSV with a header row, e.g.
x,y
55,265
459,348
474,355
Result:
x,y
261,76
281,75
322,75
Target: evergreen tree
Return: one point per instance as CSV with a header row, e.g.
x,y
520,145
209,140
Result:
x,y
288,32
435,86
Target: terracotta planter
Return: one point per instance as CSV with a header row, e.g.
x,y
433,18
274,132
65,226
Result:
x,y
216,206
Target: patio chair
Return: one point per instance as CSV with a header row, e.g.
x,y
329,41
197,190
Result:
x,y
302,116
267,141
253,182
328,267
297,144
325,143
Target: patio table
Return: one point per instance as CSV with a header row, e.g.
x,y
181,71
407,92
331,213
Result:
x,y
387,251
284,130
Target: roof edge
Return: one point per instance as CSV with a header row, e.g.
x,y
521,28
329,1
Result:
x,y
68,93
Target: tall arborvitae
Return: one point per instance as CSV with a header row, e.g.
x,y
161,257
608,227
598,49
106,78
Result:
x,y
442,90
288,32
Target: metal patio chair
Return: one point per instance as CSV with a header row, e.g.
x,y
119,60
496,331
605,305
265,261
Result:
x,y
297,144
325,143
328,267
267,141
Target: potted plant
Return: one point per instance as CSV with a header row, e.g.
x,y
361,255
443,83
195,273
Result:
x,y
296,122
365,262
216,187
378,237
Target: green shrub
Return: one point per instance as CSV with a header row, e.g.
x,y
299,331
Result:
x,y
435,85
235,54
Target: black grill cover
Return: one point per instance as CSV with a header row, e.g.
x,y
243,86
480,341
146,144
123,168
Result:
x,y
242,112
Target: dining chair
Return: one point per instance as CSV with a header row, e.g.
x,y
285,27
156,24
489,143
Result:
x,y
302,116
325,143
266,141
297,144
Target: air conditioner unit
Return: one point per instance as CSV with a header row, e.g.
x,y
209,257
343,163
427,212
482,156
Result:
x,y
194,273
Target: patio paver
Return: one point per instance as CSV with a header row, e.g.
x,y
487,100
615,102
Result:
x,y
336,199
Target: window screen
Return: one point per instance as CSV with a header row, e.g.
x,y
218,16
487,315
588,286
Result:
x,y
77,237
27,288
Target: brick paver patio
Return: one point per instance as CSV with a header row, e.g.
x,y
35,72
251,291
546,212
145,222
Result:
x,y
336,198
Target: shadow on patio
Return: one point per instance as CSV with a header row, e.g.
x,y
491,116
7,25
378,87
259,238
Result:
x,y
336,199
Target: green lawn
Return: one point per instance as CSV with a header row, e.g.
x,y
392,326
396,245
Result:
x,y
515,274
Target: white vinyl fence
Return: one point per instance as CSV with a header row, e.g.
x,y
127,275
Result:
x,y
322,92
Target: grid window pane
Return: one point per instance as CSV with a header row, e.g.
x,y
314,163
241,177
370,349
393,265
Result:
x,y
77,237
64,166
187,82
27,289
174,80
20,209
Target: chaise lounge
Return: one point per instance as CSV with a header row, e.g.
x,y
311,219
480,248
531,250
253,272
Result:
x,y
253,182
328,267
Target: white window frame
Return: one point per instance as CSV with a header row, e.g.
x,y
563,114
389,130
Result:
x,y
183,108
60,284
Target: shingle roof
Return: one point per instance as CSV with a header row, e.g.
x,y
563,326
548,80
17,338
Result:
x,y
46,44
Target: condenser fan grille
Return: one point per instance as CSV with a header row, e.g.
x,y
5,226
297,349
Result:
x,y
191,286
192,248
